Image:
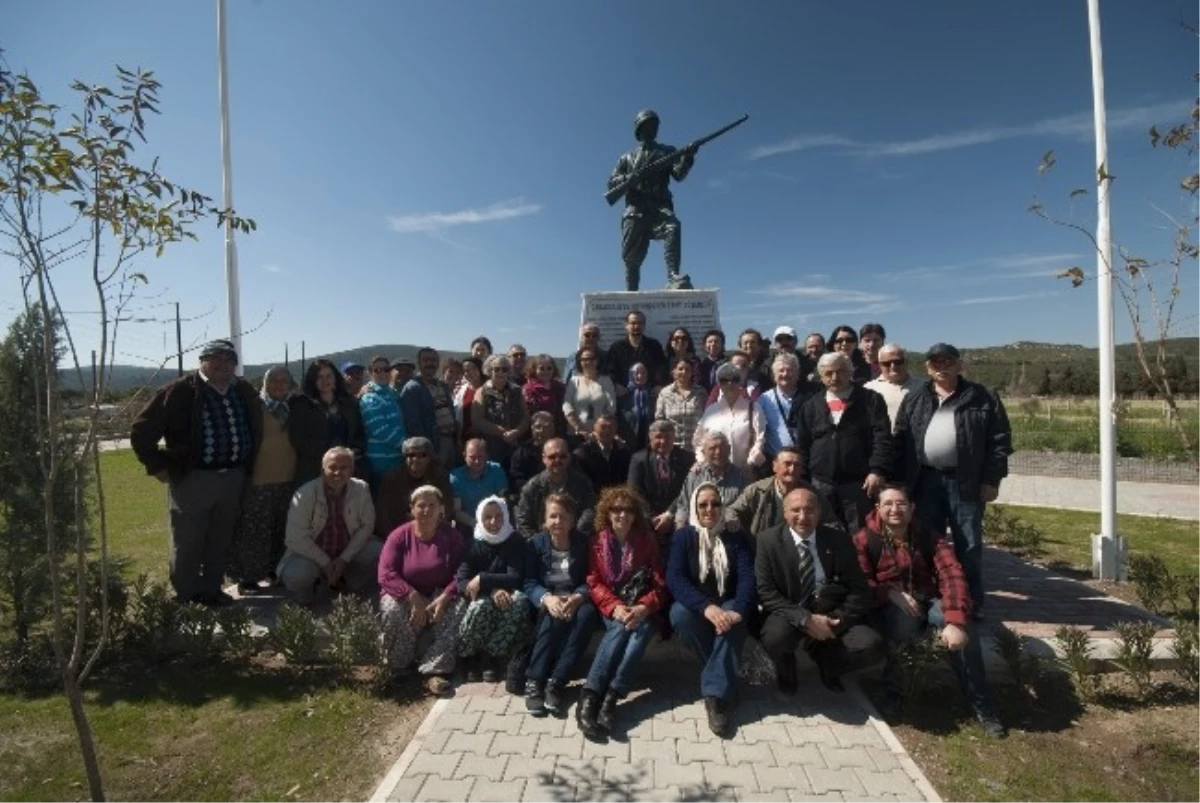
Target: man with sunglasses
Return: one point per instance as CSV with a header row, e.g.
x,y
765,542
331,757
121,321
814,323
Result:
x,y
560,477
894,381
954,441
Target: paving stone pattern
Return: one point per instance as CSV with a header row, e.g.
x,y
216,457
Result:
x,y
482,745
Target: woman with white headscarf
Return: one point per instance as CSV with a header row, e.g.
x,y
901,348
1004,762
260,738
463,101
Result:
x,y
710,573
258,539
496,621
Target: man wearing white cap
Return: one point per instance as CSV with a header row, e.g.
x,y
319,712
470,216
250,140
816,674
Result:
x,y
211,422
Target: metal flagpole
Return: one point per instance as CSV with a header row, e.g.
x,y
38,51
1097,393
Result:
x,y
1107,552
233,293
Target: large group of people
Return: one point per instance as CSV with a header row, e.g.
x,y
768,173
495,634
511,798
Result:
x,y
789,494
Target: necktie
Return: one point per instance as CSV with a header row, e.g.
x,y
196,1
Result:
x,y
664,473
807,572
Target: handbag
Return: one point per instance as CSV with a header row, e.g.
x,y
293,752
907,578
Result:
x,y
636,587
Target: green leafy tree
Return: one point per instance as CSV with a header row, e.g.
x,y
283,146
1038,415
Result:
x,y
24,573
78,204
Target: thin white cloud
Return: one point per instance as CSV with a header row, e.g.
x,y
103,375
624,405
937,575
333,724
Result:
x,y
274,269
966,302
801,143
427,222
1012,266
1073,125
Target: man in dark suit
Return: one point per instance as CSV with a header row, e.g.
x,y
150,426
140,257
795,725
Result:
x,y
812,591
657,473
603,458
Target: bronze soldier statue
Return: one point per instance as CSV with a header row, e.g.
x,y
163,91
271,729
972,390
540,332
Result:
x,y
643,177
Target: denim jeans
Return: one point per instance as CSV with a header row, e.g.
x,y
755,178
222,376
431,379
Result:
x,y
617,656
899,627
559,643
720,654
939,502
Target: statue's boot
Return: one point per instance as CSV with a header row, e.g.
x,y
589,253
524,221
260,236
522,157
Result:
x,y
679,281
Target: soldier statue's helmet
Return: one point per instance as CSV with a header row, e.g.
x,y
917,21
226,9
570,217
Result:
x,y
643,117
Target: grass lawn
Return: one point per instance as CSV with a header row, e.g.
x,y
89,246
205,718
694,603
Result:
x,y
200,730
1056,750
137,514
209,731
1068,540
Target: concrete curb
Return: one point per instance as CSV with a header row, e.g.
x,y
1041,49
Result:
x,y
885,732
389,782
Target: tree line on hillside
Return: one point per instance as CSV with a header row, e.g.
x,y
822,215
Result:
x,y
1081,378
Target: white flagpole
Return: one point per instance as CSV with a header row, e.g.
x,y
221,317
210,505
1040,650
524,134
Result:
x,y
1107,557
233,294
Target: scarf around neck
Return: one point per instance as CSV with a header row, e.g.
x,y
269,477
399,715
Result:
x,y
712,550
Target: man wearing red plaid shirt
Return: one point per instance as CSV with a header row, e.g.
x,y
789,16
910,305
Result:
x,y
917,582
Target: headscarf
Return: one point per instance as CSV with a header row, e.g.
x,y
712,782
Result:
x,y
712,549
278,409
640,394
506,528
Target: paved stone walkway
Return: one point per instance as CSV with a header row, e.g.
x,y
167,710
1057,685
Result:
x,y
482,745
1138,498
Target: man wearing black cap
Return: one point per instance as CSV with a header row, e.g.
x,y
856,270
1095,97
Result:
x,y
211,422
955,440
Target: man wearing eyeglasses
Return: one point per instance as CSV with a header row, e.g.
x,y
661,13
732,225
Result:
x,y
955,440
918,583
894,381
560,477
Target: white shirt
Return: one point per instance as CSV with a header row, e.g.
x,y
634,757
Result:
x,y
810,543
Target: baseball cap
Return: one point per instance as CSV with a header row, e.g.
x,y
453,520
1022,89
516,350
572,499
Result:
x,y
784,331
347,367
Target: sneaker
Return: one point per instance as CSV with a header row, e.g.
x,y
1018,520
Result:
x,y
554,701
535,698
437,685
991,724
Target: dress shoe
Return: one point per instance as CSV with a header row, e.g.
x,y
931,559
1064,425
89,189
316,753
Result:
x,y
718,715
554,697
608,711
585,715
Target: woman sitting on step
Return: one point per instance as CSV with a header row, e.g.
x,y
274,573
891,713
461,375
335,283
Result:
x,y
556,584
496,613
626,581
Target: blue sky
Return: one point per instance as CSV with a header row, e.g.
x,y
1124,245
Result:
x,y
425,172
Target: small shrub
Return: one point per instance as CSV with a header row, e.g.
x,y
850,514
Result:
x,y
295,634
1023,667
29,667
1009,531
354,631
1153,582
198,628
914,659
1135,644
1076,661
1186,651
151,617
237,628
1187,586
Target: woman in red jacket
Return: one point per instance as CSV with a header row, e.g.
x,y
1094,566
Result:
x,y
626,582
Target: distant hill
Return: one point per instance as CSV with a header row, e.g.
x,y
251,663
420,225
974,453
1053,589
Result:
x,y
1017,367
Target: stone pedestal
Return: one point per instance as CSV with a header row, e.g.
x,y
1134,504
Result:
x,y
664,310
